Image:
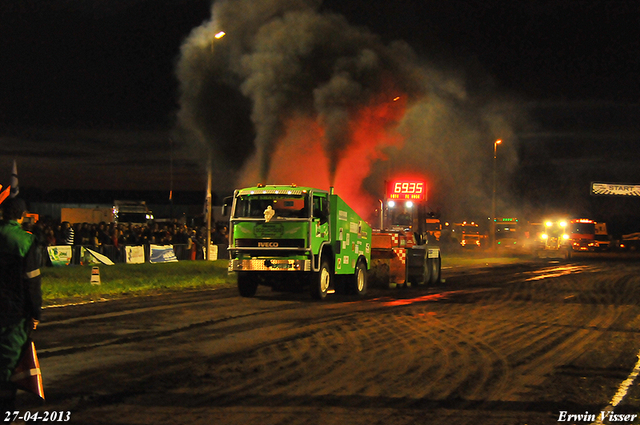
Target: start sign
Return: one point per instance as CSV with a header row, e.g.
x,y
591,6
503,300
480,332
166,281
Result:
x,y
414,190
615,189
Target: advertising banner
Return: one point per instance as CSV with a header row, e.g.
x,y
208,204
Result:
x,y
60,255
213,252
162,254
134,254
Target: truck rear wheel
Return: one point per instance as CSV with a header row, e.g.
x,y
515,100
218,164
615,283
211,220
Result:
x,y
426,273
434,270
247,284
358,282
320,281
417,265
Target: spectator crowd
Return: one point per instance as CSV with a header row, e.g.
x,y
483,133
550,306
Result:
x,y
111,237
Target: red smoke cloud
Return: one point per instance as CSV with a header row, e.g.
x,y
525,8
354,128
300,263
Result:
x,y
300,157
372,130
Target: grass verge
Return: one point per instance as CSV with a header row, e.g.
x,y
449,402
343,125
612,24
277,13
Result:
x,y
73,283
61,285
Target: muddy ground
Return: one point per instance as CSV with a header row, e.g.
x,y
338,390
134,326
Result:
x,y
511,344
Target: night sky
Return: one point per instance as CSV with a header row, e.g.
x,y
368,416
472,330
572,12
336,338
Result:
x,y
89,95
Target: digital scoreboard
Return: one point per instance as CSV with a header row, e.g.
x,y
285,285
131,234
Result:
x,y
413,190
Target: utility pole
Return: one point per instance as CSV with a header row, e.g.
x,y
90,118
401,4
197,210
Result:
x,y
492,227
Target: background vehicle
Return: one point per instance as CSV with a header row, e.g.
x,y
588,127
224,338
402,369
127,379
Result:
x,y
556,240
131,212
287,237
468,234
582,234
433,229
508,233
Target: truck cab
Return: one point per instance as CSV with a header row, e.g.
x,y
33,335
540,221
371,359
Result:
x,y
287,236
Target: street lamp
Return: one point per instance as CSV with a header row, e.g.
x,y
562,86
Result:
x,y
218,36
208,202
493,202
209,206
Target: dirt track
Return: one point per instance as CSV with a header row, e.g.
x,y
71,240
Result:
x,y
507,345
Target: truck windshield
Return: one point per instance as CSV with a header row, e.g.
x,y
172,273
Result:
x,y
506,231
283,206
584,228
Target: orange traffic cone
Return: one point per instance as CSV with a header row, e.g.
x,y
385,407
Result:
x,y
27,375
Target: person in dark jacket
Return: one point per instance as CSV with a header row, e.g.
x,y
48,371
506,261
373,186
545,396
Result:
x,y
20,294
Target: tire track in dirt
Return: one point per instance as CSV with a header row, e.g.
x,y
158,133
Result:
x,y
473,364
431,360
325,363
533,350
321,364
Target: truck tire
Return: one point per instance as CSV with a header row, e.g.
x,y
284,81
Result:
x,y
426,272
321,281
358,282
417,266
434,272
247,284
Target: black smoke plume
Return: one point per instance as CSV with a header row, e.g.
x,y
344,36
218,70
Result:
x,y
284,58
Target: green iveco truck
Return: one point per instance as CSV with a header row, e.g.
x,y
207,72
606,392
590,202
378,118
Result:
x,y
287,237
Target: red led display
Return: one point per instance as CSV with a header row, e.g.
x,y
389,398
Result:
x,y
414,190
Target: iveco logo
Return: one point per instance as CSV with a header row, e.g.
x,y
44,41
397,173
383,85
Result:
x,y
268,244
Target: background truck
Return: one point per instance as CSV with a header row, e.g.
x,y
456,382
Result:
x,y
582,233
508,233
135,212
468,234
287,237
556,242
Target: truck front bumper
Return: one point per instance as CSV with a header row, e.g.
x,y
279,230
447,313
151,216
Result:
x,y
270,265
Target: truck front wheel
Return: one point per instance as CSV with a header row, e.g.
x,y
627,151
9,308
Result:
x,y
359,280
247,284
321,281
